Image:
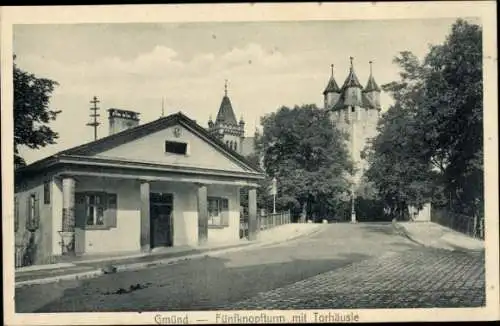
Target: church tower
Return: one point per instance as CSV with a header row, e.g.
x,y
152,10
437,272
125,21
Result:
x,y
226,127
355,111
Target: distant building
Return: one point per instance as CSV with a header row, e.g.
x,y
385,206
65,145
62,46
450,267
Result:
x,y
356,111
229,130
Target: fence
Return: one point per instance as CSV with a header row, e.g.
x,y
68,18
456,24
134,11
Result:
x,y
471,226
265,222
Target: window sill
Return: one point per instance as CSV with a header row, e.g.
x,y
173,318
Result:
x,y
95,227
218,226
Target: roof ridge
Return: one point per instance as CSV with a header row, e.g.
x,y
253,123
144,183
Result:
x,y
138,132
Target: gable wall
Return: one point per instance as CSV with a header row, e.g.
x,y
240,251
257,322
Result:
x,y
151,148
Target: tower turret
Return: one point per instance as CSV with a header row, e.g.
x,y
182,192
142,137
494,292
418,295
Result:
x,y
352,89
331,94
372,91
226,127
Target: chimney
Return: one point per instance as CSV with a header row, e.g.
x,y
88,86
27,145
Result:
x,y
120,120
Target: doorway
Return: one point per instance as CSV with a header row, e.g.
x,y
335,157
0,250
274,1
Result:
x,y
161,207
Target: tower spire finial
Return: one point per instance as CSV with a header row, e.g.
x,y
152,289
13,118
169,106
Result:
x,y
371,66
162,107
331,66
225,87
351,59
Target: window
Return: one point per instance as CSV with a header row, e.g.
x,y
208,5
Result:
x,y
16,214
95,210
235,146
94,206
175,147
46,192
218,211
33,213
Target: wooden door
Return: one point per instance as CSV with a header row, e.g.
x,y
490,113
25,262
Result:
x,y
161,214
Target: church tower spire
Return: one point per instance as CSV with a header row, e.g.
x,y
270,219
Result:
x,y
226,113
226,127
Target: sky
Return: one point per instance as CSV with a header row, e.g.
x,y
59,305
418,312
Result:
x,y
133,66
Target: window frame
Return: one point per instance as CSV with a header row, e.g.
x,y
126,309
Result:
x,y
222,208
87,198
176,142
33,213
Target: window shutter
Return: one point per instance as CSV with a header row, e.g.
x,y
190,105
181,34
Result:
x,y
28,212
80,211
16,214
224,211
37,208
111,209
36,218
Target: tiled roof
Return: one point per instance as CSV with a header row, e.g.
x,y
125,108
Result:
x,y
226,113
248,146
111,141
367,102
352,80
332,86
372,85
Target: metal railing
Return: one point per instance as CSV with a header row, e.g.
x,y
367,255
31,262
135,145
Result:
x,y
265,222
272,220
469,225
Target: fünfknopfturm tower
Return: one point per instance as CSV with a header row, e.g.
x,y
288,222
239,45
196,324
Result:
x,y
226,127
354,110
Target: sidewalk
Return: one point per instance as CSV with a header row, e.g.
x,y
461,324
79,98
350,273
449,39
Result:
x,y
94,266
431,234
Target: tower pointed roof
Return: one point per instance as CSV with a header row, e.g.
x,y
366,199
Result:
x,y
332,86
371,85
226,112
352,80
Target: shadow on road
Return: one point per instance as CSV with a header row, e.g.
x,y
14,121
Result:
x,y
200,284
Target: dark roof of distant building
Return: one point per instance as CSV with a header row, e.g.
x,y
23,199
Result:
x,y
352,80
372,85
248,146
332,86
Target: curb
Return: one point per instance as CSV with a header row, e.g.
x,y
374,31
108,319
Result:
x,y
401,230
55,279
293,238
168,261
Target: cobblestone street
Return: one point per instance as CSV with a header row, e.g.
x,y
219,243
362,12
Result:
x,y
412,279
343,266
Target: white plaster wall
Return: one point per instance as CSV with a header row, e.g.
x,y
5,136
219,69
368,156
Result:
x,y
57,208
44,234
126,235
232,232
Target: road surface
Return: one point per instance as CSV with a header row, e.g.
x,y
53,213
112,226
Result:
x,y
363,265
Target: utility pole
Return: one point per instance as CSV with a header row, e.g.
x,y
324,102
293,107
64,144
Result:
x,y
94,116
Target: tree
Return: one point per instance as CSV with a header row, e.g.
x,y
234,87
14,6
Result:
x,y
430,140
32,113
307,154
